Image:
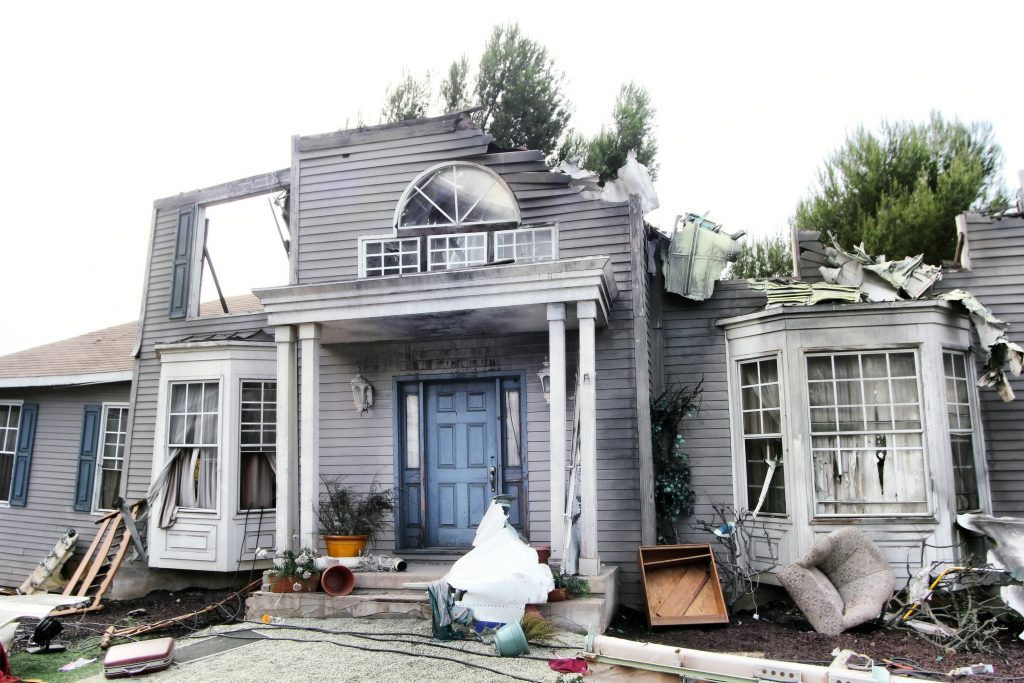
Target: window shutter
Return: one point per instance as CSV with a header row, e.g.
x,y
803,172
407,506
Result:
x,y
182,256
23,454
87,458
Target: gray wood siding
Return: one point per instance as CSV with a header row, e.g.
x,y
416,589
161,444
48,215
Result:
x,y
996,276
158,328
352,190
28,533
694,348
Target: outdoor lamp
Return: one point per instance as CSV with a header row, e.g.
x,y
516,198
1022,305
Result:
x,y
362,393
544,375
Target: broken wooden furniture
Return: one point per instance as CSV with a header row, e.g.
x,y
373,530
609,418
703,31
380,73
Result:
x,y
102,560
844,581
681,584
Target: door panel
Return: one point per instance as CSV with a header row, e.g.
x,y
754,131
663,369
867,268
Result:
x,y
461,445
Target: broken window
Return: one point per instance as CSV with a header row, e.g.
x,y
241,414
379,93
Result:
x,y
762,435
258,445
111,459
193,441
244,247
457,251
10,417
866,434
455,195
390,256
961,432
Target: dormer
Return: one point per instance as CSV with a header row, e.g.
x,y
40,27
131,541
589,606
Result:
x,y
455,215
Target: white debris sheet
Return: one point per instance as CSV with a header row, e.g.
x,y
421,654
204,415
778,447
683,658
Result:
x,y
500,574
273,661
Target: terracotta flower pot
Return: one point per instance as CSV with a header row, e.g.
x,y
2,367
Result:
x,y
295,584
543,553
344,546
559,594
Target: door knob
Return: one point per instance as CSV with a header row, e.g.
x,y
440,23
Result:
x,y
492,473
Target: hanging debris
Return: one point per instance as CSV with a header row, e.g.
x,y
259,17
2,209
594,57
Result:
x,y
879,279
992,334
698,252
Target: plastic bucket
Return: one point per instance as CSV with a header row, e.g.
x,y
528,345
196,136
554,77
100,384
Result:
x,y
510,640
338,580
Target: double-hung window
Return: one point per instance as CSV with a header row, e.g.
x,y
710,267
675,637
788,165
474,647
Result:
x,y
961,432
762,435
193,440
10,417
110,463
257,445
866,434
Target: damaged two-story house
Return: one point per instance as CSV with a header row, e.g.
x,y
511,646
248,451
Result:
x,y
460,322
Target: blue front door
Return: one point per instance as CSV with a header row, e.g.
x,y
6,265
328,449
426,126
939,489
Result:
x,y
461,457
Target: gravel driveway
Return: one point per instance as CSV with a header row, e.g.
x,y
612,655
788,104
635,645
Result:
x,y
276,660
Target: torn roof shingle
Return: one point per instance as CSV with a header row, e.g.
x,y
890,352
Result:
x,y
94,353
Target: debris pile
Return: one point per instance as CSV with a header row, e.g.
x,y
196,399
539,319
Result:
x,y
698,251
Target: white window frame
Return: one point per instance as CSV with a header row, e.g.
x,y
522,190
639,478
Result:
x,y
838,434
448,250
98,475
403,270
522,232
974,431
242,448
779,476
6,502
171,448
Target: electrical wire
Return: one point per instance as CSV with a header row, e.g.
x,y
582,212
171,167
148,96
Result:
x,y
385,651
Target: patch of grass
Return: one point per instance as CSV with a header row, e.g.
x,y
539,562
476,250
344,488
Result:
x,y
46,667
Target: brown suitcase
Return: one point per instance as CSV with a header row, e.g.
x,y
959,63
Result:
x,y
144,656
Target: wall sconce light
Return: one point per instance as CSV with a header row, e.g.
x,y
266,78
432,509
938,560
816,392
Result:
x,y
362,393
544,375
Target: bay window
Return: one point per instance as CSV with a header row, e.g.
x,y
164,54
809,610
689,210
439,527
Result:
x,y
258,445
870,408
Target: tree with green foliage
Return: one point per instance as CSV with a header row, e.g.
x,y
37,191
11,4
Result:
x,y
899,192
520,92
409,99
764,258
455,86
632,129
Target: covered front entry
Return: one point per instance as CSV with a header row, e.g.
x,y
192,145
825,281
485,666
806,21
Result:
x,y
460,444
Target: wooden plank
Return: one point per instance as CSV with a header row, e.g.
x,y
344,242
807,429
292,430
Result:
x,y
84,564
235,189
684,592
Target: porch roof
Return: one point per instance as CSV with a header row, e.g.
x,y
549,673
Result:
x,y
485,300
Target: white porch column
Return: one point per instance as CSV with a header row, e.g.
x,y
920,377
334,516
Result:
x,y
309,429
287,517
590,563
556,355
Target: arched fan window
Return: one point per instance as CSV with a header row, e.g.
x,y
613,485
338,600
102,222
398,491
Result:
x,y
456,194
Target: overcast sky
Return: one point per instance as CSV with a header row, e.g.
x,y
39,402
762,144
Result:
x,y
107,106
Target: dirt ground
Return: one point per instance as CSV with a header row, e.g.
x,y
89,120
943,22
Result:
x,y
782,632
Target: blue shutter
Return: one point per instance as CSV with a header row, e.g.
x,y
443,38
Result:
x,y
87,458
182,257
23,454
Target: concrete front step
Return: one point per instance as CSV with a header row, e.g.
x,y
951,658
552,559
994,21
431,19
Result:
x,y
380,595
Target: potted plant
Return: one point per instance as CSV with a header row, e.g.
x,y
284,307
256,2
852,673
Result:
x,y
350,520
568,586
295,573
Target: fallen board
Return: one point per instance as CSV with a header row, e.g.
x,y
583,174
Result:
x,y
216,645
681,585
